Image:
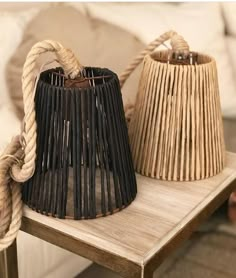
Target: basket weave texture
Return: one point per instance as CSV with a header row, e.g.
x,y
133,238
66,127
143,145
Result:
x,y
176,131
84,166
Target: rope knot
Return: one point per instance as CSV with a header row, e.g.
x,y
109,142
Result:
x,y
70,64
10,194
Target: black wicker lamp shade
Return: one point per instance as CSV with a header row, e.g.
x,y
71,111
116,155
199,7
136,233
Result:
x,y
84,166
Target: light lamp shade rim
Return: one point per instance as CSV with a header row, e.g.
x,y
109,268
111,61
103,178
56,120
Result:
x,y
161,56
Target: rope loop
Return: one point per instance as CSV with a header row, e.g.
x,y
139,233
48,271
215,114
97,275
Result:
x,y
72,68
177,43
10,195
17,162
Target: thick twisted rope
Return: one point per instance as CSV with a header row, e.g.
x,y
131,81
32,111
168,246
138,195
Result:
x,y
10,195
17,163
177,42
71,67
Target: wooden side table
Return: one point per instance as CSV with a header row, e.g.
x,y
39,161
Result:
x,y
136,240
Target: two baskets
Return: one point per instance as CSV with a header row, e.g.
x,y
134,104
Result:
x,y
75,138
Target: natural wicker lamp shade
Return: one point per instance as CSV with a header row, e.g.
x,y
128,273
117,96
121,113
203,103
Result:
x,y
84,165
176,129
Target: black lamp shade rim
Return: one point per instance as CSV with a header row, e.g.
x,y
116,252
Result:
x,y
113,78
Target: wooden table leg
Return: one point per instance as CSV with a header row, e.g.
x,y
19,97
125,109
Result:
x,y
148,273
2,265
8,262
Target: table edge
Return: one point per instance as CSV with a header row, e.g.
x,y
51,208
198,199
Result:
x,y
105,258
153,258
157,254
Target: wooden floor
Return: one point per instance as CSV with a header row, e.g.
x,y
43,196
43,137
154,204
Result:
x,y
210,254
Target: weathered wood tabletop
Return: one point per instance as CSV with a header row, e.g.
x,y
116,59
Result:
x,y
136,240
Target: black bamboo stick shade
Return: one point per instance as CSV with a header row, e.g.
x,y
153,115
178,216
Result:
x,y
84,166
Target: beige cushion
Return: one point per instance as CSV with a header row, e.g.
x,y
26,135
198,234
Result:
x,y
231,45
229,11
95,42
11,29
201,25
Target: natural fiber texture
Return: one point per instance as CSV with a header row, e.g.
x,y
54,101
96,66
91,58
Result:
x,y
177,42
84,166
10,195
176,130
71,67
18,160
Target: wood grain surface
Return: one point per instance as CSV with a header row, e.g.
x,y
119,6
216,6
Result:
x,y
136,240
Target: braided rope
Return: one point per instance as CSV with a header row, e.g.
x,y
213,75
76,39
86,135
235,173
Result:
x,y
177,42
17,163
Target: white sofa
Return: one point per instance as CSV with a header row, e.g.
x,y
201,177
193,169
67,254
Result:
x,y
202,24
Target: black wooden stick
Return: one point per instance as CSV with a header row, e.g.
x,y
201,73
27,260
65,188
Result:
x,y
81,132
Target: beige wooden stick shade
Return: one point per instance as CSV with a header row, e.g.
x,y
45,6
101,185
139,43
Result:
x,y
176,130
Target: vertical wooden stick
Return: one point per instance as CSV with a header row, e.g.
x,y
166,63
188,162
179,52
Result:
x,y
176,130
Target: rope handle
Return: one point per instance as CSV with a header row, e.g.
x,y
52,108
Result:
x,y
18,160
23,171
177,42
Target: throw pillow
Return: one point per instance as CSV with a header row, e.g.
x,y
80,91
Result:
x,y
201,25
94,41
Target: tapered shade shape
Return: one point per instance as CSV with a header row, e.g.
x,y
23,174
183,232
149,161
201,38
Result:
x,y
84,165
176,131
